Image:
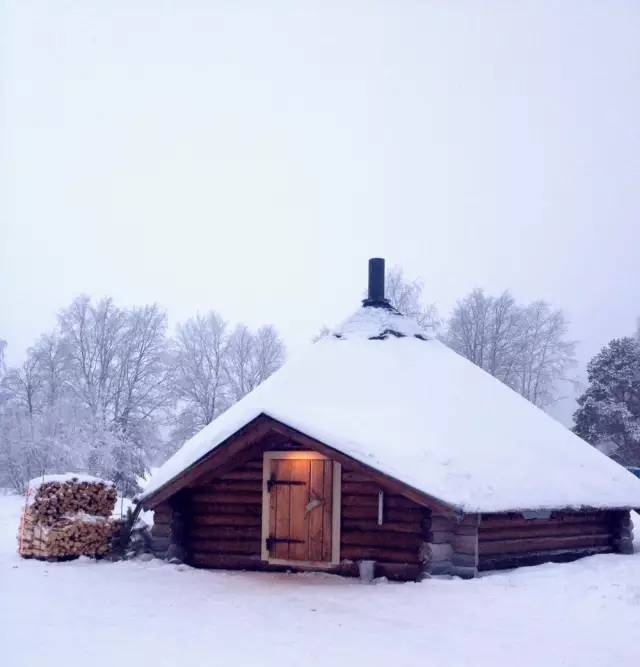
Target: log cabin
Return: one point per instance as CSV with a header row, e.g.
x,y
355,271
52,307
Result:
x,y
381,452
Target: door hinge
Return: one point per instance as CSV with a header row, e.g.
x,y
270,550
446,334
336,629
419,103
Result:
x,y
282,482
272,541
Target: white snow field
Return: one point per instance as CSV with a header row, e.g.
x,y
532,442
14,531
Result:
x,y
96,614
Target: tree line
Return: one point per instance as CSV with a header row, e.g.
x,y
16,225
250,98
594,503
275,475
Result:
x,y
108,390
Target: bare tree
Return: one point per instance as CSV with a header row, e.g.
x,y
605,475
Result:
x,y
117,366
200,380
523,346
407,297
252,358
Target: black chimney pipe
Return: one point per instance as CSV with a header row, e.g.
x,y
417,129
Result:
x,y
375,296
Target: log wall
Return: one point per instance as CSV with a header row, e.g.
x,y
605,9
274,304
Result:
x,y
223,523
396,544
509,540
217,523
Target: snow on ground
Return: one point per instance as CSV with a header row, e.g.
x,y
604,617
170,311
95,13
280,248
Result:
x,y
150,613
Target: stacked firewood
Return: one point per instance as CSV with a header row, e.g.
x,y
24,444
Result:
x,y
67,518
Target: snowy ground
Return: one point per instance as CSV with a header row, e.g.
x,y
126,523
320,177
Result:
x,y
149,613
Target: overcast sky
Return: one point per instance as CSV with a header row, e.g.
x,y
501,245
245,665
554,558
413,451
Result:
x,y
217,155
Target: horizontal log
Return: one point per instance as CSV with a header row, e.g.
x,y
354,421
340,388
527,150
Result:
x,y
351,476
245,475
227,497
547,530
234,486
402,541
221,546
542,544
510,561
225,532
508,520
222,509
361,488
390,514
412,527
356,552
225,520
371,500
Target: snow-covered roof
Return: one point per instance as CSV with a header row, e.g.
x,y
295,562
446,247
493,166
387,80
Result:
x,y
381,393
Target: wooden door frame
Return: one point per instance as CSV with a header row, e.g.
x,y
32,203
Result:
x,y
336,498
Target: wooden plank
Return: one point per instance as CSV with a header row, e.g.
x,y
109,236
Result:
x,y
542,544
327,510
316,490
281,469
270,468
299,517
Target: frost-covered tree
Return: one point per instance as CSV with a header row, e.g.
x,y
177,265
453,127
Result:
x,y
200,382
89,395
608,415
252,358
214,367
117,363
523,346
407,296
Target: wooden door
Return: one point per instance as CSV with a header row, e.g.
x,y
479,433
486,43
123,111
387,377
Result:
x,y
300,493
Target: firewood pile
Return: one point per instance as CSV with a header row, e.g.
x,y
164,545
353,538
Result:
x,y
67,517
